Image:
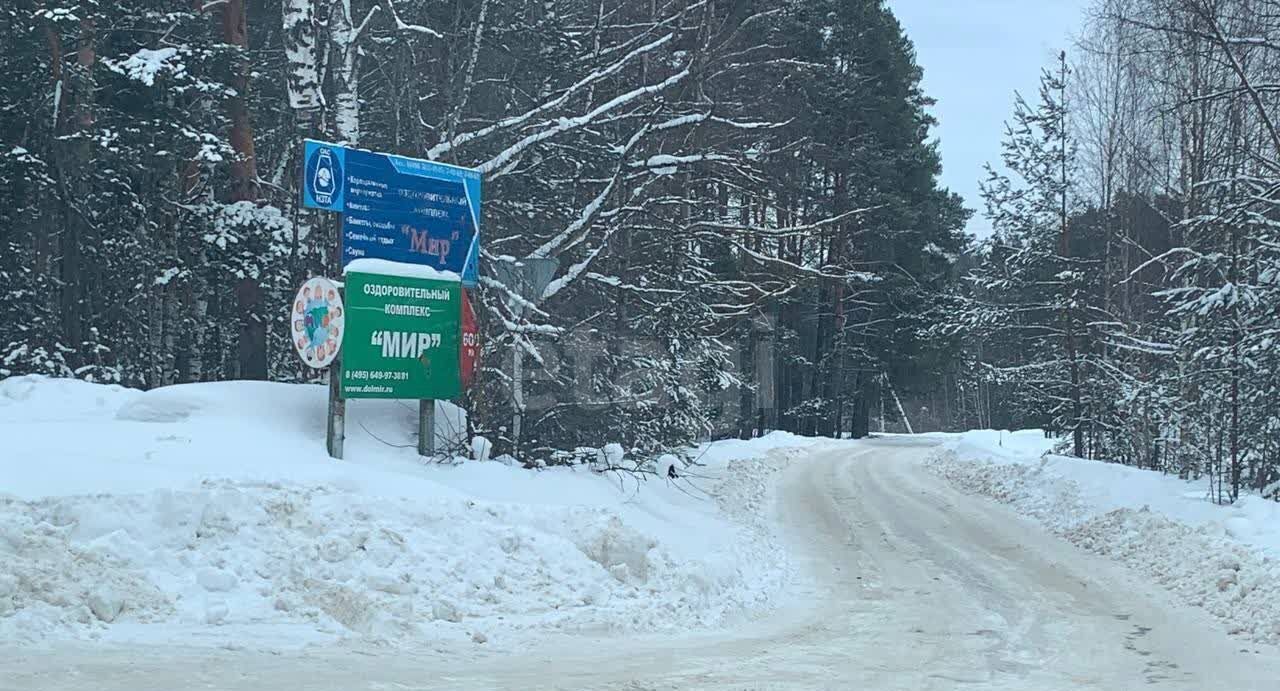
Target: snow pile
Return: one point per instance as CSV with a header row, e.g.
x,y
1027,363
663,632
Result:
x,y
49,583
210,515
1234,583
1224,559
322,561
481,448
747,496
384,267
36,399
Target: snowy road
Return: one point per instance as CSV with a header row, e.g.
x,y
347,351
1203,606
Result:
x,y
912,585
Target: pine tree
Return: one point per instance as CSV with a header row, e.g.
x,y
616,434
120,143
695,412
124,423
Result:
x,y
1033,290
741,197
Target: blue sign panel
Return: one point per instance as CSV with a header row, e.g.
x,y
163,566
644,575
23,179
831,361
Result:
x,y
323,182
400,209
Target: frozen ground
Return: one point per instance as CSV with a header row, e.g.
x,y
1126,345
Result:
x,y
1225,559
909,585
209,515
198,537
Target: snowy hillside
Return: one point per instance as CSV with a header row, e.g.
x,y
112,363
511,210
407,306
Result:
x,y
210,514
1225,559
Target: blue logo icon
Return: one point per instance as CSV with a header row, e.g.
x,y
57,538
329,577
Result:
x,y
324,180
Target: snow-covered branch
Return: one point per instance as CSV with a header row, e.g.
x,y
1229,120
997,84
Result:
x,y
566,124
401,25
515,121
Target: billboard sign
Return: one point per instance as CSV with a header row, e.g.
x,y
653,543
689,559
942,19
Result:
x,y
403,337
396,208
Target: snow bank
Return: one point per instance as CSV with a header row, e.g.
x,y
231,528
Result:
x,y
36,399
210,515
1225,559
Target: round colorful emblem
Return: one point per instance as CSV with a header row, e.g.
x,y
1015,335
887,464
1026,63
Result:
x,y
318,317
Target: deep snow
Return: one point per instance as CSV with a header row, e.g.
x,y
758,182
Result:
x,y
210,514
1224,559
386,267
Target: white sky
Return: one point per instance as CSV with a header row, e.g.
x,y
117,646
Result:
x,y
975,54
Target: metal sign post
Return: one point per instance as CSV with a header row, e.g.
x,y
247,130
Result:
x,y
426,427
336,430
335,437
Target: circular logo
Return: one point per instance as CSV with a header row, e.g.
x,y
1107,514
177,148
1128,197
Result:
x,y
324,176
318,318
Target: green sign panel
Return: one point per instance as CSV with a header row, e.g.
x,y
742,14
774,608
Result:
x,y
402,337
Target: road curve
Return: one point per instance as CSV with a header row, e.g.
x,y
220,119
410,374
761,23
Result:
x,y
911,585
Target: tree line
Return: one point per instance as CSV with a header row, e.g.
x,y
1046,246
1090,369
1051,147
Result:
x,y
735,192
1130,296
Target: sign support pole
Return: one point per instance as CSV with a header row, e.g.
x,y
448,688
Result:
x,y
336,430
336,433
517,396
426,427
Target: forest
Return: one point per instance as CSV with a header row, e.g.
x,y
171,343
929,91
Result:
x,y
1130,296
740,200
725,188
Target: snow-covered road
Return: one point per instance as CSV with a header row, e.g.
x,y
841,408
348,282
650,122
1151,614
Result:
x,y
911,585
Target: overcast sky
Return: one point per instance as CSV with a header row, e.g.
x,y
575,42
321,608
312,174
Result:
x,y
975,54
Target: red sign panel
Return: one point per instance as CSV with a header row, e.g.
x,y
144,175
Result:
x,y
470,342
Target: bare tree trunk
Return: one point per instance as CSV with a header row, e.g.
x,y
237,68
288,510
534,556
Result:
x,y
301,71
252,351
244,169
1068,319
1236,338
58,251
346,103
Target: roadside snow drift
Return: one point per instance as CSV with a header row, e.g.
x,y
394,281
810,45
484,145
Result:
x,y
210,514
1224,559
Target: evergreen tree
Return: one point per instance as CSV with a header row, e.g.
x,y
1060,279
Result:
x,y
1034,293
741,197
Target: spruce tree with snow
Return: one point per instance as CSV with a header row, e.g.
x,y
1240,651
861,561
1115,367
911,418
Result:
x,y
1033,297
